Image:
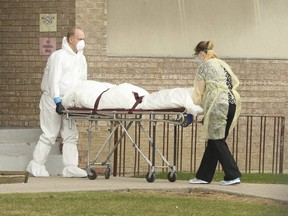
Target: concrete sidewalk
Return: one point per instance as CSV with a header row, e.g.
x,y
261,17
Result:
x,y
59,184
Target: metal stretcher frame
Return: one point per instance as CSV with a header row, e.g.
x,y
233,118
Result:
x,y
122,118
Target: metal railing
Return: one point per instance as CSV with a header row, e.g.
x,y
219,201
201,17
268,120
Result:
x,y
257,144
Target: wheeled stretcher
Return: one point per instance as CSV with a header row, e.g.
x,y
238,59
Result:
x,y
125,105
124,119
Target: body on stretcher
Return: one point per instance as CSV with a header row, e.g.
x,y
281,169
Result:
x,y
128,114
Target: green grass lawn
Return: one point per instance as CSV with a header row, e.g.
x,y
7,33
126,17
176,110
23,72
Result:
x,y
135,203
146,202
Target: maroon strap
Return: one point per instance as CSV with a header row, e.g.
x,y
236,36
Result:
x,y
138,101
98,100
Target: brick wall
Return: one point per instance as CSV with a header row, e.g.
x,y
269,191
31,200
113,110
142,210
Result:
x,y
263,83
21,66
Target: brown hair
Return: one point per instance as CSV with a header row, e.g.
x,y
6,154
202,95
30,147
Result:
x,y
207,47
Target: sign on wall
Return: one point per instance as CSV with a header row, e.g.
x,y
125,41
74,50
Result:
x,y
48,22
47,45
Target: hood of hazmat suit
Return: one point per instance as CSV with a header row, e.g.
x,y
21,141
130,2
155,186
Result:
x,y
64,69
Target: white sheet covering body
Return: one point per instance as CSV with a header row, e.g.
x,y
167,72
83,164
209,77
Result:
x,y
172,98
122,97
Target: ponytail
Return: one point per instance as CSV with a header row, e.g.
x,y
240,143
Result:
x,y
210,52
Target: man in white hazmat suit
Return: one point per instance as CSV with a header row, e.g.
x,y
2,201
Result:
x,y
65,69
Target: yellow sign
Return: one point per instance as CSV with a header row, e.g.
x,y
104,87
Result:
x,y
48,22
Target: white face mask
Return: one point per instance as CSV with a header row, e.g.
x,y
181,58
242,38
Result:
x,y
199,60
80,45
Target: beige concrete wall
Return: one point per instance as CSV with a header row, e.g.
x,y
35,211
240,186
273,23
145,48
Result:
x,y
241,29
263,83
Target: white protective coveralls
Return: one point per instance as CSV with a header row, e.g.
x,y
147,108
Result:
x,y
65,69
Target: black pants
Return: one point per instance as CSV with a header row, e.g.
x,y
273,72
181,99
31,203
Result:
x,y
217,150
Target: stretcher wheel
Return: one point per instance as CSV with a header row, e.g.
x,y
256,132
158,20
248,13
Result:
x,y
107,173
173,177
150,178
94,174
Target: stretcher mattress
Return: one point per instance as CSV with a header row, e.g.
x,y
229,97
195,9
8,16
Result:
x,y
127,96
